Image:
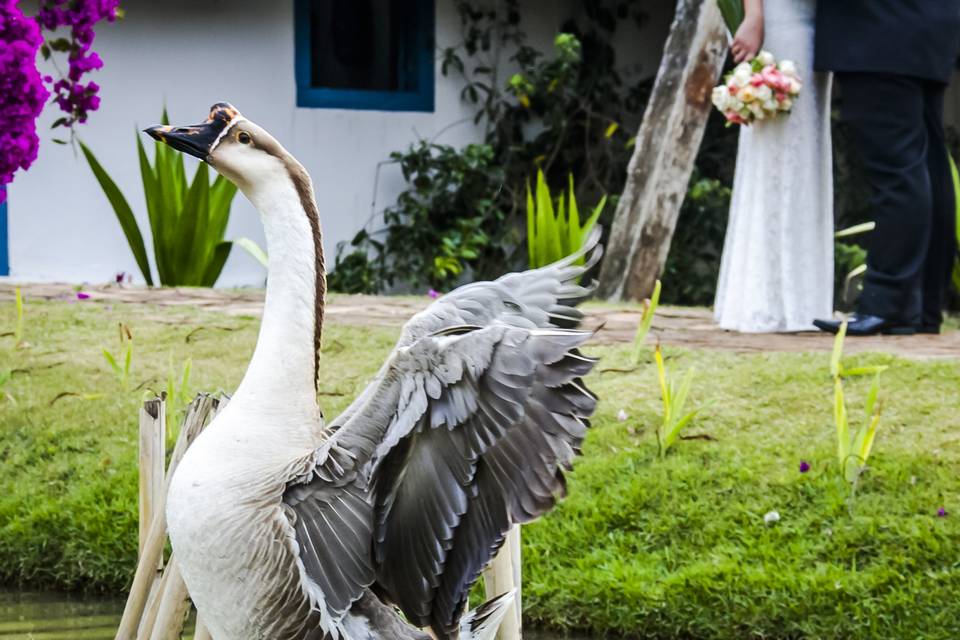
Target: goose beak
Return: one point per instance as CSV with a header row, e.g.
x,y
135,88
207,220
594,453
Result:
x,y
198,140
194,140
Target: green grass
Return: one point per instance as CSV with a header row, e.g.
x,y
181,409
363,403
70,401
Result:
x,y
673,548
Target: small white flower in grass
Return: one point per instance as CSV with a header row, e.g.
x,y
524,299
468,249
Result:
x,y
771,517
622,415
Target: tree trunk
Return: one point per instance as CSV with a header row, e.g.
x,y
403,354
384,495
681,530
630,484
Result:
x,y
665,151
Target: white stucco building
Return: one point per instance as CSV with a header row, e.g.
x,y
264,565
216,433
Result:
x,y
189,54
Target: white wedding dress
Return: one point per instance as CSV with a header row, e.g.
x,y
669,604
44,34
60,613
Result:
x,y
777,268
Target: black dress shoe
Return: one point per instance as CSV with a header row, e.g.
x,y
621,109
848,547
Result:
x,y
864,325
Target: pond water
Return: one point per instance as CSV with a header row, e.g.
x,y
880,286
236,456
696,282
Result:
x,y
57,616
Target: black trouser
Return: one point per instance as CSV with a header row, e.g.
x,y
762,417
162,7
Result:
x,y
897,125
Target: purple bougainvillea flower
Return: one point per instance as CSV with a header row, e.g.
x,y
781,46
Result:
x,y
804,466
433,293
82,295
941,513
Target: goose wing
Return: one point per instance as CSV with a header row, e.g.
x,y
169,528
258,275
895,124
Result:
x,y
544,297
541,297
464,431
463,435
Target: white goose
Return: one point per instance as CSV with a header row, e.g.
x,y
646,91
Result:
x,y
289,528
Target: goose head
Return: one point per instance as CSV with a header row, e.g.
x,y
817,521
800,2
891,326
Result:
x,y
281,190
237,148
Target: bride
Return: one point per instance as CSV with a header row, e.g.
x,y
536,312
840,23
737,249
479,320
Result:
x,y
776,273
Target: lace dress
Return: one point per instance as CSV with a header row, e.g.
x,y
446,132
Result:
x,y
776,273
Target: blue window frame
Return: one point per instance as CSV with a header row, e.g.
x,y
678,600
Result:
x,y
365,54
4,252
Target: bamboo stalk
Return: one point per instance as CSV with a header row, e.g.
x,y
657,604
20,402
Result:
x,y
173,607
201,633
152,454
154,543
502,575
150,611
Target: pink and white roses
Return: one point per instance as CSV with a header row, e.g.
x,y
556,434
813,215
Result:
x,y
758,90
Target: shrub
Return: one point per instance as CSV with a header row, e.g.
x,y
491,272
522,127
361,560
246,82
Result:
x,y
441,225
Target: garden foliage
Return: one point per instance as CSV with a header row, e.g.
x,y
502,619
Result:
x,y
569,112
439,226
188,219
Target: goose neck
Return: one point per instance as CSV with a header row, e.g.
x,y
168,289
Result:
x,y
282,376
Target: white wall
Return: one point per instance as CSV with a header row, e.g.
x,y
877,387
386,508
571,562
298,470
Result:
x,y
188,55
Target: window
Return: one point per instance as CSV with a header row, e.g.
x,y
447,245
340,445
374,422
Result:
x,y
365,54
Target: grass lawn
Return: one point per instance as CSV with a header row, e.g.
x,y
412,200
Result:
x,y
643,547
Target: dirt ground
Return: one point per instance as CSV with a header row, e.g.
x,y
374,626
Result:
x,y
687,327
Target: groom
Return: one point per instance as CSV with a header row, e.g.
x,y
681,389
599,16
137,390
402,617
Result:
x,y
893,60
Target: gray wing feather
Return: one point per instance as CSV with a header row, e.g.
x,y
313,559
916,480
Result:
x,y
466,430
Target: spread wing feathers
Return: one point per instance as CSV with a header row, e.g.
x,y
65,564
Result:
x,y
333,527
541,297
469,454
544,297
460,437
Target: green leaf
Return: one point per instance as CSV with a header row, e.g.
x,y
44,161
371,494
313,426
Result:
x,y
151,193
840,420
855,230
215,266
533,257
124,213
190,251
128,360
646,321
732,12
253,249
864,371
112,362
956,195
836,367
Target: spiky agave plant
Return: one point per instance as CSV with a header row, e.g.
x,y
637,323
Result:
x,y
555,232
188,218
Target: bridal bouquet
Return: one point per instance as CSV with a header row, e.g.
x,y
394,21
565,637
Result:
x,y
757,90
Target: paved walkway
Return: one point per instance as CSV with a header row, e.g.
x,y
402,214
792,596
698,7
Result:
x,y
673,325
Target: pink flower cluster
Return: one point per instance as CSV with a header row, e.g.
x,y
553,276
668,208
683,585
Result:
x,y
757,90
22,91
75,98
22,94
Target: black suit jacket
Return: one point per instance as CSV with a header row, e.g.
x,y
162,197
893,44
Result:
x,y
918,38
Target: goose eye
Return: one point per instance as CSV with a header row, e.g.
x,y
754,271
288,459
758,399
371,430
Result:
x,y
243,137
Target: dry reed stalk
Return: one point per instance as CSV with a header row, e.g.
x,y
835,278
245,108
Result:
x,y
502,575
173,607
193,422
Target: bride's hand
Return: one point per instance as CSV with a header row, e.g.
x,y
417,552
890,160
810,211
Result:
x,y
748,39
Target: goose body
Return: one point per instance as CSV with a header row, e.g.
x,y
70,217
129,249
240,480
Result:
x,y
289,528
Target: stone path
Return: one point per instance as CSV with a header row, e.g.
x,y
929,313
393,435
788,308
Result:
x,y
673,325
